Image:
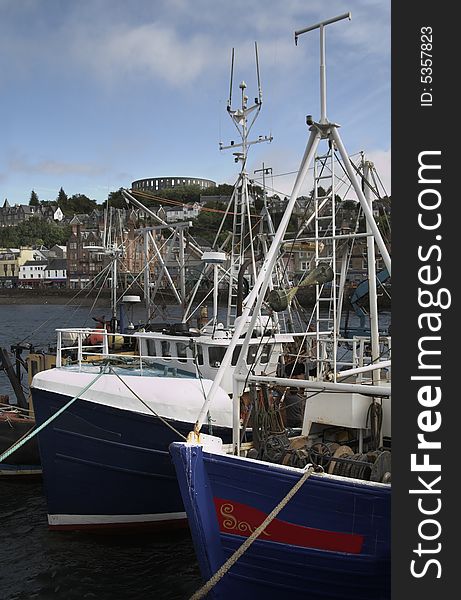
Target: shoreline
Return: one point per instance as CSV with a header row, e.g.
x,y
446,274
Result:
x,y
42,297
44,300
65,296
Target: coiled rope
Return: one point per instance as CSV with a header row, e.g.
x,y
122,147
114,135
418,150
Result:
x,y
34,432
209,585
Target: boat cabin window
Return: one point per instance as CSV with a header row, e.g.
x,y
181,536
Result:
x,y
265,354
151,348
198,354
215,355
181,350
252,352
235,355
33,367
166,349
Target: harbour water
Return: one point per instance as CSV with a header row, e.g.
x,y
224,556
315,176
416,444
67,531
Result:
x,y
38,564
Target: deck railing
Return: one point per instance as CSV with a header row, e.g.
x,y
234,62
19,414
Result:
x,y
73,343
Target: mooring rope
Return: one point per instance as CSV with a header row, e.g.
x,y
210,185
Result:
x,y
209,585
34,432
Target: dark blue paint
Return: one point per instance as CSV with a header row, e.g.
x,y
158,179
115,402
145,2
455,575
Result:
x,y
99,460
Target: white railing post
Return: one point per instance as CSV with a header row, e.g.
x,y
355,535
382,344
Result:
x,y
80,349
59,350
105,343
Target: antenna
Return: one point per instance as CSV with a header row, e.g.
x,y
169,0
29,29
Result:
x,y
324,130
229,102
323,81
260,95
240,116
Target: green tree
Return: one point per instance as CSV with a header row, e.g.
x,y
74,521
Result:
x,y
79,203
34,201
9,237
180,193
206,225
34,232
223,189
63,201
115,199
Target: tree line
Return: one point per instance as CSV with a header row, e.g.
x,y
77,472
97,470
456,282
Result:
x,y
34,232
77,203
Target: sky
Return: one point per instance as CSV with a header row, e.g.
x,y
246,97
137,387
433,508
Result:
x,y
95,94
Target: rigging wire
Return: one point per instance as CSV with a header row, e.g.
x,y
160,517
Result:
x,y
29,335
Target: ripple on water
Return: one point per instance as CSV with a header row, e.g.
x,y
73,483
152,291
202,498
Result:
x,y
37,563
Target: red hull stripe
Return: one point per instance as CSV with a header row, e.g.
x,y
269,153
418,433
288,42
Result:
x,y
241,519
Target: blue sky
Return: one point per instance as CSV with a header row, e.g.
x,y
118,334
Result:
x,y
97,93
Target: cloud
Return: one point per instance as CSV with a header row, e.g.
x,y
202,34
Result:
x,y
179,41
53,167
100,66
150,50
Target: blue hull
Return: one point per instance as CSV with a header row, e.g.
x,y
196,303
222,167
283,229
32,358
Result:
x,y
338,530
105,467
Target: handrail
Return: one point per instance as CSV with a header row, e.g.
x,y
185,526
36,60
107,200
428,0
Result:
x,y
103,348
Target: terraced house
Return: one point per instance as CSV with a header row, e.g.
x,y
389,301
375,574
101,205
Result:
x,y
11,260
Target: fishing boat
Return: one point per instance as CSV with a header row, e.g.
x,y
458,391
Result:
x,y
307,517
105,457
15,424
16,421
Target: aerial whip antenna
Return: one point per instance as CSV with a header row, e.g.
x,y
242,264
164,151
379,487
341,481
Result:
x,y
260,95
229,102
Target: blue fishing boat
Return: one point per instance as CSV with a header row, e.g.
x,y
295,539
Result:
x,y
105,458
307,517
332,540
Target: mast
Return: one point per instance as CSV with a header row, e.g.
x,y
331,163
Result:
x,y
242,239
326,130
371,260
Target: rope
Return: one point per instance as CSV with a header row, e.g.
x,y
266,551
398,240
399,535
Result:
x,y
209,585
24,440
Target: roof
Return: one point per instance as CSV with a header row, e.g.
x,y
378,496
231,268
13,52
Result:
x,y
35,263
57,264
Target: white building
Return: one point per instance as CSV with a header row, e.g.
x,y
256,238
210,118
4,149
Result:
x,y
55,273
182,213
32,273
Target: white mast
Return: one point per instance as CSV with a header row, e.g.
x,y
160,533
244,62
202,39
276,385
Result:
x,y
371,260
242,238
323,129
